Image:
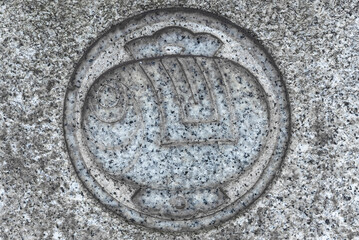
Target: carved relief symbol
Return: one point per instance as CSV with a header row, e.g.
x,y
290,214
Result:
x,y
179,121
194,102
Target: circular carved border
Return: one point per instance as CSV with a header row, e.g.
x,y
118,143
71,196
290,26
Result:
x,y
238,47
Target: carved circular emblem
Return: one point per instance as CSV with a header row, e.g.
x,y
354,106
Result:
x,y
176,119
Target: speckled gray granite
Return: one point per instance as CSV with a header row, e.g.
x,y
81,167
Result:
x,y
315,193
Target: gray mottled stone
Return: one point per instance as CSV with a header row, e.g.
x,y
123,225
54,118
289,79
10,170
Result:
x,y
315,193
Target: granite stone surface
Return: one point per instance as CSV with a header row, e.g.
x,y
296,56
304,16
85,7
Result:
x,y
315,193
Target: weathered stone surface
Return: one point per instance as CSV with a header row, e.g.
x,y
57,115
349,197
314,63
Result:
x,y
314,194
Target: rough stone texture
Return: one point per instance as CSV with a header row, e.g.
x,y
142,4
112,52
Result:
x,y
315,45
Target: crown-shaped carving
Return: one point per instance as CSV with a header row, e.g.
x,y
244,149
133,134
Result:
x,y
174,41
